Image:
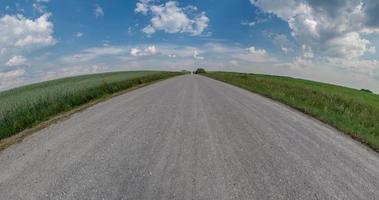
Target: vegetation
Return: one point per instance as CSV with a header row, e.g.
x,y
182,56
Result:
x,y
27,106
352,111
366,90
185,71
200,71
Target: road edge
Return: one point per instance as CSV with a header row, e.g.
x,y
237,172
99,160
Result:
x,y
23,135
309,116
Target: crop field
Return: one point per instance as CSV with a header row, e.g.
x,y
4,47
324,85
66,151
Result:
x,y
26,106
352,111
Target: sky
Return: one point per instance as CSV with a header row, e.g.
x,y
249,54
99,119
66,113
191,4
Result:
x,y
332,41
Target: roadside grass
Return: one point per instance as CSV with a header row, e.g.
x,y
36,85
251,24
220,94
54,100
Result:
x,y
352,111
27,106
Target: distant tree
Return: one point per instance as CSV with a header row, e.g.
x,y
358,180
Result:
x,y
200,71
366,90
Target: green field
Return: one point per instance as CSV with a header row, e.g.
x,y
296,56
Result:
x,y
26,106
351,111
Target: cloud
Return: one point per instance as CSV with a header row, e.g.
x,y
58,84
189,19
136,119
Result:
x,y
258,20
11,74
329,28
151,50
330,37
251,24
196,55
234,62
16,61
283,42
366,67
19,35
11,79
135,52
171,18
142,7
74,71
220,56
148,51
218,48
20,32
92,53
350,44
99,12
79,34
39,8
176,51
253,55
40,5
149,30
258,52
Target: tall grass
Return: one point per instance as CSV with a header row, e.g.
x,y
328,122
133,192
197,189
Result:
x,y
351,111
27,106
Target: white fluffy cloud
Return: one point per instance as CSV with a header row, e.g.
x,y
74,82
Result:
x,y
142,7
151,50
196,55
135,52
148,51
328,28
253,55
258,52
79,34
16,61
99,12
20,32
171,18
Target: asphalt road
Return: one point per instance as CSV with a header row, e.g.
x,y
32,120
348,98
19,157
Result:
x,y
189,137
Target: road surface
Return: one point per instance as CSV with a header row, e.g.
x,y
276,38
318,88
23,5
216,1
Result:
x,y
189,137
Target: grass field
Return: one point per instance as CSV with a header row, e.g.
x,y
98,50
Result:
x,y
24,107
351,111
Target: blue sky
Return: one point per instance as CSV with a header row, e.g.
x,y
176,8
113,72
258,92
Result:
x,y
330,41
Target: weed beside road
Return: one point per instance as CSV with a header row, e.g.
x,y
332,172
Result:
x,y
351,111
27,106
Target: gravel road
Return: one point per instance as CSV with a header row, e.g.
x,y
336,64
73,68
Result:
x,y
189,137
